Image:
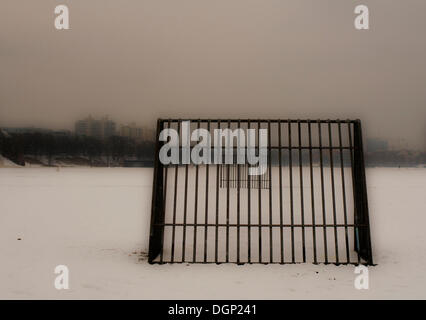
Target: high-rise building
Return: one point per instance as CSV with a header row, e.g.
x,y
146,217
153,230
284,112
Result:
x,y
131,131
101,129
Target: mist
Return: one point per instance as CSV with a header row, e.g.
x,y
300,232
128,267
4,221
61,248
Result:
x,y
138,60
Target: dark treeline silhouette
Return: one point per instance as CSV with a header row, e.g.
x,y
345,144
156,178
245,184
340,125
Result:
x,y
402,158
119,151
22,147
394,158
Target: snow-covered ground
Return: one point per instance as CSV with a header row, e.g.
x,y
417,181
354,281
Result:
x,y
96,221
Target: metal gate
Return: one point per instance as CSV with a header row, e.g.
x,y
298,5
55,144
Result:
x,y
310,204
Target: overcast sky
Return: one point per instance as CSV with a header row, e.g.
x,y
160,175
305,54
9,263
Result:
x,y
137,60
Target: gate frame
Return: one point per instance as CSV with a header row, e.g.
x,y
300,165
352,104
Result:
x,y
362,237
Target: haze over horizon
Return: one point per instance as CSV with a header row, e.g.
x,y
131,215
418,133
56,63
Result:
x,y
137,60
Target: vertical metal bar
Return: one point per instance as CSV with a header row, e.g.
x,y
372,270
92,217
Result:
x,y
333,192
324,220
218,165
356,229
290,160
236,171
157,211
194,249
164,204
260,198
270,192
238,195
248,197
175,205
227,196
207,195
302,206
185,209
342,173
221,175
314,237
281,191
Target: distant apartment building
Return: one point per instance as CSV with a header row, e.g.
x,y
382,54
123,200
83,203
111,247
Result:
x,y
137,133
131,131
148,134
97,128
377,145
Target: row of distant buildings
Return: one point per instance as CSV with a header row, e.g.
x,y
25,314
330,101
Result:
x,y
104,128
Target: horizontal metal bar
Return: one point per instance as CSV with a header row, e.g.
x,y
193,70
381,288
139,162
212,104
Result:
x,y
243,262
262,120
276,148
260,225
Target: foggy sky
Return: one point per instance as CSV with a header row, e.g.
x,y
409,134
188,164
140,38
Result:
x,y
137,60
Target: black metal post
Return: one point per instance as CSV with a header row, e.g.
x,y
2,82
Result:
x,y
360,198
157,211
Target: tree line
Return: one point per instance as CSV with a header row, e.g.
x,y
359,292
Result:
x,y
17,146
